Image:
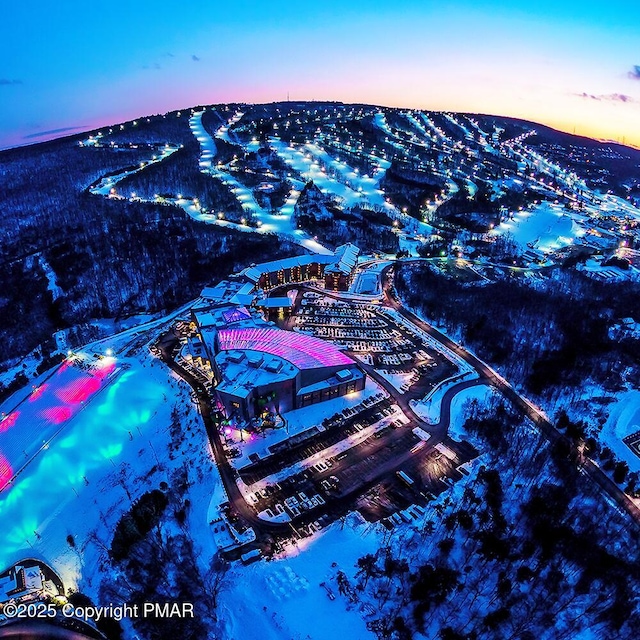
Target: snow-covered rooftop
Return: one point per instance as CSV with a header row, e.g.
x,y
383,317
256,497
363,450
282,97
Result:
x,y
243,372
275,303
346,258
343,259
223,316
341,376
304,352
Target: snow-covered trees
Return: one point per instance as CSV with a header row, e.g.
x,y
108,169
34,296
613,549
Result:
x,y
527,548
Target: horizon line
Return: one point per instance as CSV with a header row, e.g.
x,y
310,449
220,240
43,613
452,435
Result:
x,y
29,142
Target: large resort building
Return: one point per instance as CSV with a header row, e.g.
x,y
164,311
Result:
x,y
335,269
267,370
259,369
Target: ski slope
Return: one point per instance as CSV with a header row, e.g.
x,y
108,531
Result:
x,y
280,223
546,227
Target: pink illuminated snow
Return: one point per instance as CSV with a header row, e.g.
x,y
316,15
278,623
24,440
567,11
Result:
x,y
301,350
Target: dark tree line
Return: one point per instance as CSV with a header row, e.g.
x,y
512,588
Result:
x,y
550,335
528,549
108,257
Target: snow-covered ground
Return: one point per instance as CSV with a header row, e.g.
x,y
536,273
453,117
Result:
x,y
52,282
430,137
456,123
115,443
349,442
436,130
72,483
482,394
369,186
103,188
279,223
283,598
380,121
429,340
27,427
612,204
623,420
546,227
399,379
596,270
351,189
410,243
429,407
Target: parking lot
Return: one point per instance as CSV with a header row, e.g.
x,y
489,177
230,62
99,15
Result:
x,y
372,335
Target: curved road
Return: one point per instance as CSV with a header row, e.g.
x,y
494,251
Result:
x,y
166,344
487,375
530,410
169,341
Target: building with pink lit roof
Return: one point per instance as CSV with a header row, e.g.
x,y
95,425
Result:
x,y
262,369
259,368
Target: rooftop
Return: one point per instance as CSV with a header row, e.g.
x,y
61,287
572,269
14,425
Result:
x,y
340,377
242,372
229,291
343,259
303,351
222,316
275,303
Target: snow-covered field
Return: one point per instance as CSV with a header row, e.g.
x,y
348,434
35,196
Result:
x,y
27,427
111,450
546,227
283,598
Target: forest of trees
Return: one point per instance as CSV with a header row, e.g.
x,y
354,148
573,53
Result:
x,y
540,336
319,215
527,549
109,257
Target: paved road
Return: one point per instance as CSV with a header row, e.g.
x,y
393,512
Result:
x,y
169,341
531,411
166,344
372,476
437,430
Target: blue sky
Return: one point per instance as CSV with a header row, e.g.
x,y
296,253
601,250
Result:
x,y
571,64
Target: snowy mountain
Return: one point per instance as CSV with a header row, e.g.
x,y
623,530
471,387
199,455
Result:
x,y
459,293
101,211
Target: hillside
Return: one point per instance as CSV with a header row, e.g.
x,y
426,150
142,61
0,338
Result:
x,y
184,189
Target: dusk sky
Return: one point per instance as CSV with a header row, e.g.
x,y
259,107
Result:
x,y
71,66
